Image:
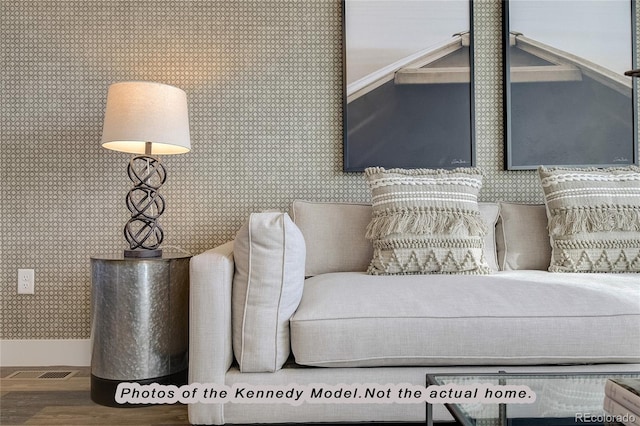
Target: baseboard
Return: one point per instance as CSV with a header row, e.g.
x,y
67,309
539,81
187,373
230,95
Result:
x,y
40,353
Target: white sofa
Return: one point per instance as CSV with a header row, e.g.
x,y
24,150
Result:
x,y
354,328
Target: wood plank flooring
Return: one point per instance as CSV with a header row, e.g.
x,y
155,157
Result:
x,y
67,402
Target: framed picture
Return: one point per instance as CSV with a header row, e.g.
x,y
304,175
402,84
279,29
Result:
x,y
408,92
567,100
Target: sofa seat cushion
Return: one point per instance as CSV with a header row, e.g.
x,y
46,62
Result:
x,y
511,317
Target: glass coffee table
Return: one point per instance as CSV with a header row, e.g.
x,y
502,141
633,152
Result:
x,y
556,399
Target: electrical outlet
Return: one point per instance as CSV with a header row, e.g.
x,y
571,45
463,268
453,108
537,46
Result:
x,y
26,281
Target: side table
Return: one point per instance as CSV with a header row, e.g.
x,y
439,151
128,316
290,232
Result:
x,y
140,322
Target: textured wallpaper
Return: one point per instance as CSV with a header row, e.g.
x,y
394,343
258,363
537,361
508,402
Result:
x,y
264,81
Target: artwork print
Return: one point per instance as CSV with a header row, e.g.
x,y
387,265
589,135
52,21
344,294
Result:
x,y
568,102
408,84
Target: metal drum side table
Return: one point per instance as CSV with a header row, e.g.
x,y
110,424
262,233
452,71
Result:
x,y
140,323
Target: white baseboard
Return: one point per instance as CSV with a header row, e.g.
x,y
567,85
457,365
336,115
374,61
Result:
x,y
41,353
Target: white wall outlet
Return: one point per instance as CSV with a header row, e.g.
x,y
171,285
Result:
x,y
26,281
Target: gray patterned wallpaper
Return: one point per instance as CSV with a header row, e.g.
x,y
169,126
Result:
x,y
264,80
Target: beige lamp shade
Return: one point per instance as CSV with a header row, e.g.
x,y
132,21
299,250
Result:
x,y
140,112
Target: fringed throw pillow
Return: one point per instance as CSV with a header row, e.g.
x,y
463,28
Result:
x,y
594,218
426,221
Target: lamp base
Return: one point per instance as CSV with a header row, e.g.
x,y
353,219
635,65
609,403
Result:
x,y
143,253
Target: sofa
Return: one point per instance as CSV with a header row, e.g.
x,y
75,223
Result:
x,y
293,300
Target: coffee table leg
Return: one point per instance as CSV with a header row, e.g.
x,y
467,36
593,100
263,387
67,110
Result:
x,y
429,414
502,408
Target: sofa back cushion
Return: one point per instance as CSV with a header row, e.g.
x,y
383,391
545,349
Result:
x,y
490,213
522,239
269,253
335,235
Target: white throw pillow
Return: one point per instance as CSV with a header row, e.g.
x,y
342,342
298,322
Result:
x,y
269,255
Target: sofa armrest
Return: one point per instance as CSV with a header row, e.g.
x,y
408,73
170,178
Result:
x,y
210,345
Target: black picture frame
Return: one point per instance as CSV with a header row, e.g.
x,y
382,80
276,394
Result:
x,y
562,108
422,116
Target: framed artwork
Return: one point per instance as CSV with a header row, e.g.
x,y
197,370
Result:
x,y
567,100
408,88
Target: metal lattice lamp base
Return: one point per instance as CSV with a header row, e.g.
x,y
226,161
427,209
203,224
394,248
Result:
x,y
142,231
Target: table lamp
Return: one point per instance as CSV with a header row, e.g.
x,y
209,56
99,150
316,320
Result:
x,y
147,119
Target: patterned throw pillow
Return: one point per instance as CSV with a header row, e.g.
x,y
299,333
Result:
x,y
594,218
426,221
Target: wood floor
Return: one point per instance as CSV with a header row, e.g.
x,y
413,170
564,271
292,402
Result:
x,y
67,402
